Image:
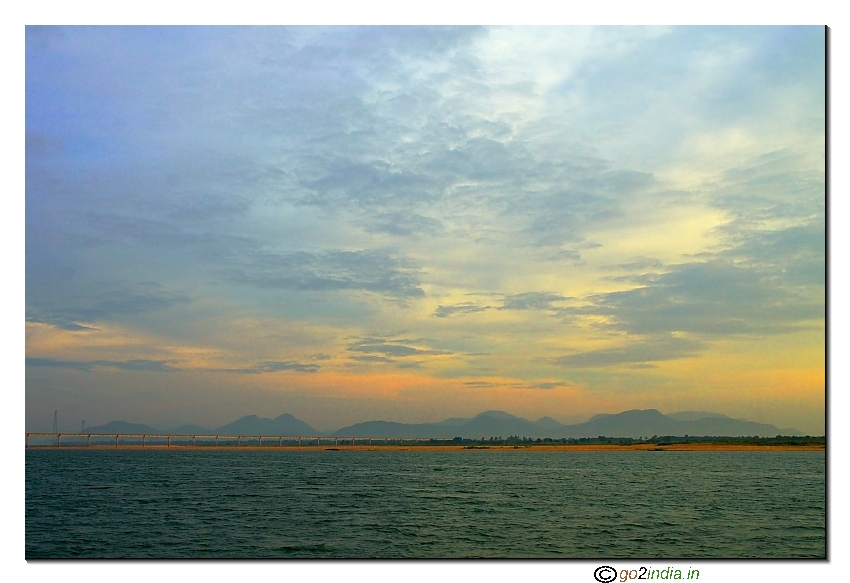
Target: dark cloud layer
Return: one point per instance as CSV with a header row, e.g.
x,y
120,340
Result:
x,y
392,348
376,271
91,365
398,352
273,366
164,366
711,298
401,224
67,308
463,309
639,351
532,301
771,282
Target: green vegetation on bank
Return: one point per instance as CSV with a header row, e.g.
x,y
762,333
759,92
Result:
x,y
655,439
71,440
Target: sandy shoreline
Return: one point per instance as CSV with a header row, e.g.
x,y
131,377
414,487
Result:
x,y
546,447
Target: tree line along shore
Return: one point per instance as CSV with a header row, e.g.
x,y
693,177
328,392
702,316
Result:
x,y
101,441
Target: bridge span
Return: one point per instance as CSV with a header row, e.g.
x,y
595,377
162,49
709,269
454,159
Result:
x,y
160,440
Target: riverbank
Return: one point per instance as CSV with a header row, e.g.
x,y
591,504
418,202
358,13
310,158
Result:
x,y
507,448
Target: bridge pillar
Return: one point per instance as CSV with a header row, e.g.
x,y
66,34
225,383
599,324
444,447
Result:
x,y
169,441
193,441
116,441
216,440
88,440
143,440
239,440
58,439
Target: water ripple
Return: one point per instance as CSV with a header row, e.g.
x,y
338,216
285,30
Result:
x,y
255,504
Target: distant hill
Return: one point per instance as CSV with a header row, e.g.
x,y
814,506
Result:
x,y
695,415
636,423
649,422
285,424
393,429
548,423
486,424
455,421
737,427
495,415
122,427
189,430
501,424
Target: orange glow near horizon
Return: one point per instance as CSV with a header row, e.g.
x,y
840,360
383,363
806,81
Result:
x,y
387,234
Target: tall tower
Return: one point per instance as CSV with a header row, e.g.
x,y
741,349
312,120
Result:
x,y
55,422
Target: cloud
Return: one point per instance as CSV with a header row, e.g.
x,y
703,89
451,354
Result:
x,y
399,352
638,351
771,282
392,348
716,297
66,307
480,384
491,385
514,385
377,271
779,184
766,281
91,365
532,301
794,257
370,185
371,358
403,225
549,386
641,264
165,366
463,309
327,179
273,366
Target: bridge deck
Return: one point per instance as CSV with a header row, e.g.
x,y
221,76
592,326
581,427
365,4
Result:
x,y
175,439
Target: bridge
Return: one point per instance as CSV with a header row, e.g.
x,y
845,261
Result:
x,y
160,440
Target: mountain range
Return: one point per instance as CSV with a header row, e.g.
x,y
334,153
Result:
x,y
635,423
284,424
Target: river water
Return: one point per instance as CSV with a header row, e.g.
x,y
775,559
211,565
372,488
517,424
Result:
x,y
443,504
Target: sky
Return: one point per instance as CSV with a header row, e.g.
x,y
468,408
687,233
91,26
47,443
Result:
x,y
414,223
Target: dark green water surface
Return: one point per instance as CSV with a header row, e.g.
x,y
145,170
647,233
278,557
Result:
x,y
353,504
